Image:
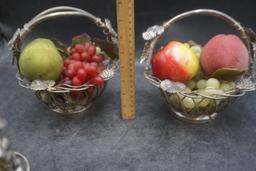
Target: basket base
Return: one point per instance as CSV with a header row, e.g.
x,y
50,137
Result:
x,y
195,120
77,111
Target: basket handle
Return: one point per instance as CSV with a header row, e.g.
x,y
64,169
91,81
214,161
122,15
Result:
x,y
20,34
154,33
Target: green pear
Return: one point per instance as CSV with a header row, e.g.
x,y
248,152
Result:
x,y
40,60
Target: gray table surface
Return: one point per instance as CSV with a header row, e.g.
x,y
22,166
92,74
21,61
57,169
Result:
x,y
99,140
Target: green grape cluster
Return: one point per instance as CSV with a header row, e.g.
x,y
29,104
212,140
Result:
x,y
211,83
211,87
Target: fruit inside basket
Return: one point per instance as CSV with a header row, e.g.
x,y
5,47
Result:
x,y
77,74
198,81
66,78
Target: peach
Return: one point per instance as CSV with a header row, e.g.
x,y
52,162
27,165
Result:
x,y
224,51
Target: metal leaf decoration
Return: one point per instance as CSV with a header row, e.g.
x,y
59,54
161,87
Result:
x,y
246,84
36,84
172,86
111,30
81,39
152,32
107,74
108,47
42,85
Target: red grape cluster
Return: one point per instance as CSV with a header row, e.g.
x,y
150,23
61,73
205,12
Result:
x,y
84,64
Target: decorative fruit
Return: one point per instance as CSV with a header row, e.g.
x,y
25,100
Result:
x,y
98,80
212,92
203,102
232,85
201,84
212,83
224,52
224,56
175,62
174,100
41,60
188,103
224,87
197,49
227,86
83,65
211,87
191,84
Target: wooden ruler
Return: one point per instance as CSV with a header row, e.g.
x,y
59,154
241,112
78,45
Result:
x,y
125,24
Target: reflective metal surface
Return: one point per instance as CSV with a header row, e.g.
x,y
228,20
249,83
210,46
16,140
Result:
x,y
56,95
197,107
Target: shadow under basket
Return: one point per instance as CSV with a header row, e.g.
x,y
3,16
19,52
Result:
x,y
195,106
59,97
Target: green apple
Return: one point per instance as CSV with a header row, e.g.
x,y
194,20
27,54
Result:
x,y
40,60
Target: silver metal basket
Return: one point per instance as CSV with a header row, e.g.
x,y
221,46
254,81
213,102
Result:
x,y
57,95
11,160
174,91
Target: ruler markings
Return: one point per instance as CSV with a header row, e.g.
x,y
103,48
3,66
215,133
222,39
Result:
x,y
125,22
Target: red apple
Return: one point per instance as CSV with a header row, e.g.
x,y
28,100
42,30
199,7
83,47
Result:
x,y
175,62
